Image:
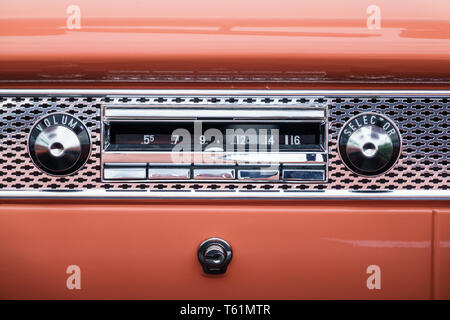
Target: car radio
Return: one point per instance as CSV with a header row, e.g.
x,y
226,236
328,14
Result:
x,y
216,143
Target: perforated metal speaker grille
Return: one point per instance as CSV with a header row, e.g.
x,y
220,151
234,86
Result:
x,y
423,123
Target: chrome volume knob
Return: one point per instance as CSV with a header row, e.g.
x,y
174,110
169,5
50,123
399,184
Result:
x,y
59,144
369,144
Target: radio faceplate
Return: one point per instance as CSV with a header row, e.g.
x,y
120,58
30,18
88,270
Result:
x,y
421,118
217,143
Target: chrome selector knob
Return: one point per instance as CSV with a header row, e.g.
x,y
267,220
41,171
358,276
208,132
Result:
x,y
369,144
59,144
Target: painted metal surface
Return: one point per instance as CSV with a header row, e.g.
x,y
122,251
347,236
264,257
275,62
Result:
x,y
282,249
225,41
289,250
441,266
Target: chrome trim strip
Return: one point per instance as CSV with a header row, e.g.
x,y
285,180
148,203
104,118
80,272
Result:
x,y
222,112
166,158
260,195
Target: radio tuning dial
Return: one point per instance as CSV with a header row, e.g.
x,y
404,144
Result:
x,y
59,144
369,144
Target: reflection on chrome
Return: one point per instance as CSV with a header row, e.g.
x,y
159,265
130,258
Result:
x,y
57,147
214,174
369,148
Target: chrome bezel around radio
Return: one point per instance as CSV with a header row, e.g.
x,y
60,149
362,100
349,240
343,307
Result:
x,y
306,166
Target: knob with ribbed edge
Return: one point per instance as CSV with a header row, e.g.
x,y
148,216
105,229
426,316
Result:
x,y
369,144
59,144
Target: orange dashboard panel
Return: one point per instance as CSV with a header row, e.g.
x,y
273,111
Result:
x,y
283,41
232,149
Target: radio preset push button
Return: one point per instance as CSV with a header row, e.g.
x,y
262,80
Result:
x,y
169,173
203,143
303,175
258,174
124,171
214,174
